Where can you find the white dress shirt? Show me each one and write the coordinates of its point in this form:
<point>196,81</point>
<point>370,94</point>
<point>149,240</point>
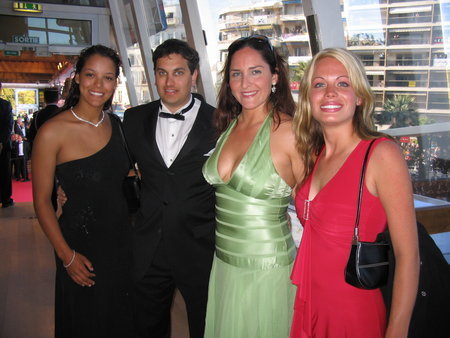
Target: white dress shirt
<point>20,148</point>
<point>171,134</point>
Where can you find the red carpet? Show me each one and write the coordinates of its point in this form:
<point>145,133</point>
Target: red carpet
<point>22,191</point>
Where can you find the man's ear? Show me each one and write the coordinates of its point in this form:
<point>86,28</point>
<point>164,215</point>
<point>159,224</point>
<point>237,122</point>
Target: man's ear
<point>194,77</point>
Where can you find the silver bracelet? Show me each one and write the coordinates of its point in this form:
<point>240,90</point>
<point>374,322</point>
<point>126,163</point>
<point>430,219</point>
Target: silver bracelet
<point>71,261</point>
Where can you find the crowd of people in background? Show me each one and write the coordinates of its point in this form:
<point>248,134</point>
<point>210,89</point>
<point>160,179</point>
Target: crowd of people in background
<point>17,136</point>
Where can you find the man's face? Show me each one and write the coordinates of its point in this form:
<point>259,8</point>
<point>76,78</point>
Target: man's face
<point>174,81</point>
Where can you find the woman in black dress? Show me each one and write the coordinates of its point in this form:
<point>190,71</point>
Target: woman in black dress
<point>82,147</point>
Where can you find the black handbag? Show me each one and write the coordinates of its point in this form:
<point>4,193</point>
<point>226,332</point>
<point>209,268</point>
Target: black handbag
<point>131,184</point>
<point>368,264</point>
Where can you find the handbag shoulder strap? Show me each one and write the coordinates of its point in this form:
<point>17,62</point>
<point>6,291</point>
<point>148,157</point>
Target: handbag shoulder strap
<point>360,191</point>
<point>125,144</point>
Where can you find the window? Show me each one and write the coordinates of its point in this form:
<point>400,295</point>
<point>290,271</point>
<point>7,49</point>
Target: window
<point>38,31</point>
<point>409,77</point>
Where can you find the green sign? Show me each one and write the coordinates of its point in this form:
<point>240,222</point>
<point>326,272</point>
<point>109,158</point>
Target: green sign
<point>11,52</point>
<point>27,7</point>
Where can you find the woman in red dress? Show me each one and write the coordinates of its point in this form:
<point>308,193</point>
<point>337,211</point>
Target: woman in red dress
<point>333,126</point>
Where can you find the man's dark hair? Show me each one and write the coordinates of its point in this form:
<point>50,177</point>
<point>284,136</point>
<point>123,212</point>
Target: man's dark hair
<point>175,46</point>
<point>51,95</point>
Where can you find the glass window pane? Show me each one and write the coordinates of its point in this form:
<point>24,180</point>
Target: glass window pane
<point>36,22</point>
<point>408,74</point>
<point>41,35</point>
<point>24,30</point>
<point>94,3</point>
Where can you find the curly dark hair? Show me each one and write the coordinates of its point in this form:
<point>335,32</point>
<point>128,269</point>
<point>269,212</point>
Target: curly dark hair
<point>74,92</point>
<point>175,46</point>
<point>281,101</point>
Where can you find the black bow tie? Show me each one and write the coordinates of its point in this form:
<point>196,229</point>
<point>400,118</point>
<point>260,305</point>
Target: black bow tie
<point>177,116</point>
<point>171,116</point>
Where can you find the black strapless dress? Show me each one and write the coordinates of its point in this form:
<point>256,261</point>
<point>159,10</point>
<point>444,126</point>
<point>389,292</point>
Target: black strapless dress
<point>95,223</point>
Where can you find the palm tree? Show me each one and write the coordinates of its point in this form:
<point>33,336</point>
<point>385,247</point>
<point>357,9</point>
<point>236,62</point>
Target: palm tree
<point>400,112</point>
<point>298,71</point>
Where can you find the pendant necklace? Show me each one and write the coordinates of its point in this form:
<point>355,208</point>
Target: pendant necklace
<point>89,122</point>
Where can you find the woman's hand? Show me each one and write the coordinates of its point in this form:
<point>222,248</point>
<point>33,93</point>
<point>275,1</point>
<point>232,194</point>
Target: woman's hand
<point>81,270</point>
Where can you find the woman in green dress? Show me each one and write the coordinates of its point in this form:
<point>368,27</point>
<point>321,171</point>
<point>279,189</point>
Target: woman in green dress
<point>254,168</point>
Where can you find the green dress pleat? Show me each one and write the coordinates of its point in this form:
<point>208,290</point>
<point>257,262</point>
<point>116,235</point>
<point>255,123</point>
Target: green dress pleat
<point>250,292</point>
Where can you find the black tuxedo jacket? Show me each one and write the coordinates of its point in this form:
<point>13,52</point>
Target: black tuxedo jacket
<point>18,131</point>
<point>177,204</point>
<point>6,123</point>
<point>26,145</point>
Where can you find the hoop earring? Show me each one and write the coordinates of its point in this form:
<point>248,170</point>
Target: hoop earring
<point>274,89</point>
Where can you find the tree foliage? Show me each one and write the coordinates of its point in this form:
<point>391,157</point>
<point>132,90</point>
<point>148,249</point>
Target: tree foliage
<point>298,71</point>
<point>27,97</point>
<point>399,112</point>
<point>8,94</point>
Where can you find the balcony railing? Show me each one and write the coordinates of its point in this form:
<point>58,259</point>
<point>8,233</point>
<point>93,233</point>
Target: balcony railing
<point>408,62</point>
<point>406,83</point>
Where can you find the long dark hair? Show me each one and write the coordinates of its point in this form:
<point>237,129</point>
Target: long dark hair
<point>281,101</point>
<point>74,92</point>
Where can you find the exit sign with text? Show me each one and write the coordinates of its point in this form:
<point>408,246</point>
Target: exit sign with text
<point>27,7</point>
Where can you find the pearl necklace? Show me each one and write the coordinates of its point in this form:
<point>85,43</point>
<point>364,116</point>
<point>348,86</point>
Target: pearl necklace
<point>89,122</point>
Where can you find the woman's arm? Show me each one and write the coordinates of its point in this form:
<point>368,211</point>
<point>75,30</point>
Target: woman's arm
<point>391,182</point>
<point>45,150</point>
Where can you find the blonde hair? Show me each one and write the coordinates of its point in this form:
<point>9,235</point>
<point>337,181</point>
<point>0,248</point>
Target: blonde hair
<point>308,132</point>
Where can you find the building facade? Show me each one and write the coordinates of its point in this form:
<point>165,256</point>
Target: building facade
<point>404,47</point>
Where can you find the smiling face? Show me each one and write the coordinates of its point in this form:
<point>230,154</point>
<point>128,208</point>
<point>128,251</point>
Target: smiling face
<point>333,99</point>
<point>97,80</point>
<point>251,79</point>
<point>174,81</point>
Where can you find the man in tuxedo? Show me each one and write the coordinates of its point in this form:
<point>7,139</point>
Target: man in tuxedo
<point>22,150</point>
<point>51,97</point>
<point>6,127</point>
<point>173,239</point>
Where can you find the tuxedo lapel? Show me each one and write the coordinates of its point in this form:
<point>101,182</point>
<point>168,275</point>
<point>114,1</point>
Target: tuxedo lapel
<point>150,134</point>
<point>201,124</point>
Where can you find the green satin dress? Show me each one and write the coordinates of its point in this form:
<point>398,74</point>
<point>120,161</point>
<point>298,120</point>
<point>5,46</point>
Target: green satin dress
<point>250,292</point>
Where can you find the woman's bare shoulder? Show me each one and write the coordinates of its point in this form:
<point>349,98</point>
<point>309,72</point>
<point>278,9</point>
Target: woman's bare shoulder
<point>387,150</point>
<point>56,126</point>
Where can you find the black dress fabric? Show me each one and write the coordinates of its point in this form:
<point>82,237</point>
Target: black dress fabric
<point>95,223</point>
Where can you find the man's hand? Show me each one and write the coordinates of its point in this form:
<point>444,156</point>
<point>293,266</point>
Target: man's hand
<point>61,196</point>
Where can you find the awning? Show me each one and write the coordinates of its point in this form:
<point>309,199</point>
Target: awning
<point>410,30</point>
<point>403,10</point>
<point>416,72</point>
<point>261,27</point>
<point>374,72</point>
